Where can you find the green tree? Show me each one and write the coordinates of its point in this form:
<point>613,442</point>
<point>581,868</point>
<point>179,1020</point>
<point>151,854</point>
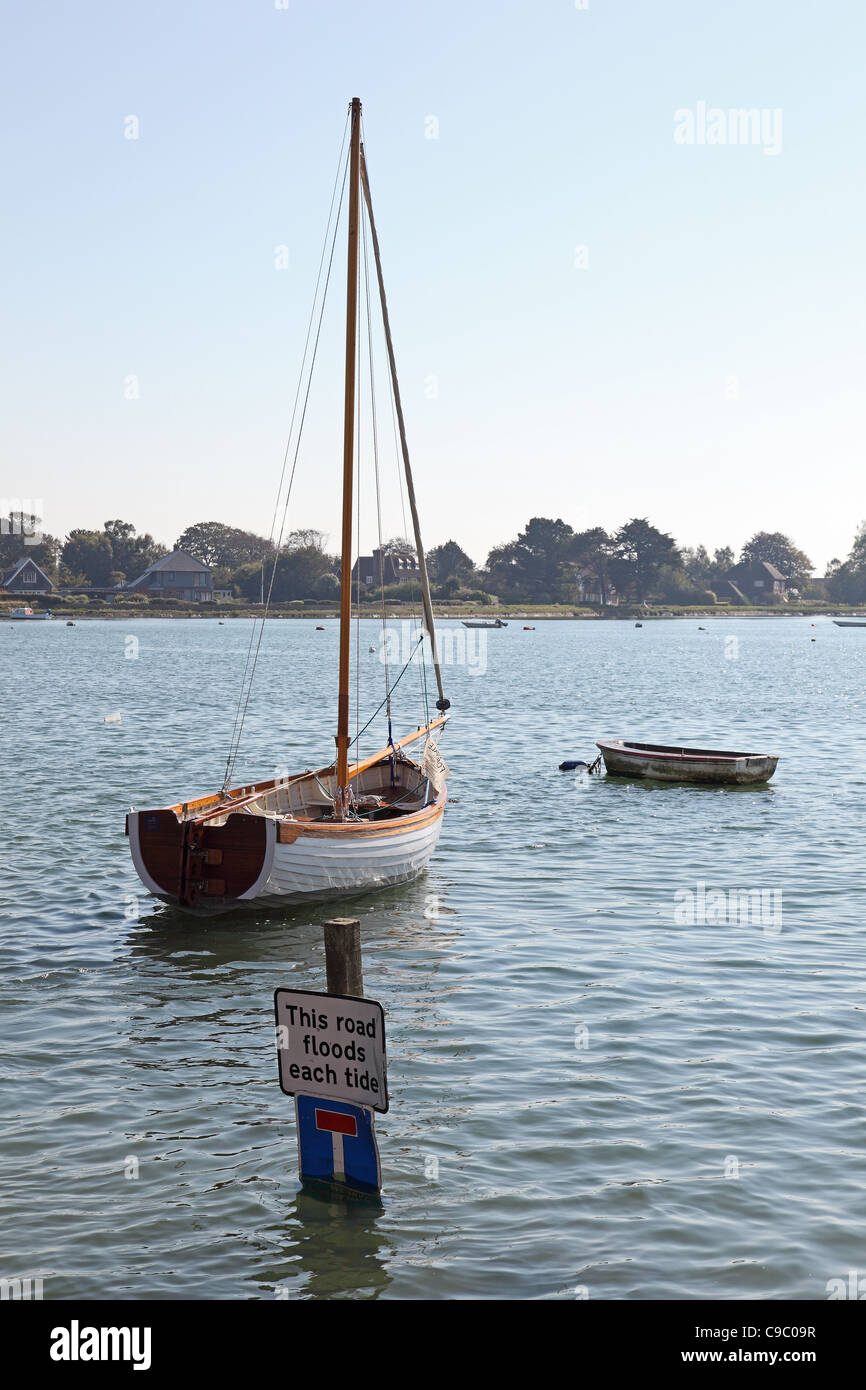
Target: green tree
<point>299,570</point>
<point>327,586</point>
<point>534,565</point>
<point>846,583</point>
<point>88,555</point>
<point>779,550</point>
<point>501,574</point>
<point>21,535</point>
<point>448,562</point>
<point>132,554</point>
<point>592,551</point>
<point>639,552</point>
<point>674,585</point>
<point>697,565</point>
<point>398,545</point>
<point>221,546</point>
<point>306,538</point>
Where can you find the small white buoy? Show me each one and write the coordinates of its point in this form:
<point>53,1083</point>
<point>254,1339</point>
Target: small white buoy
<point>114,718</point>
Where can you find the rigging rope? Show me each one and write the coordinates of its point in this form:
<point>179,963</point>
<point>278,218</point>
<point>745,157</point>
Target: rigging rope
<point>413,596</point>
<point>393,687</point>
<point>375,439</point>
<point>302,397</point>
<point>252,659</point>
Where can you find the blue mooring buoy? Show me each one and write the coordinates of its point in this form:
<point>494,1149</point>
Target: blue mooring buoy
<point>572,766</point>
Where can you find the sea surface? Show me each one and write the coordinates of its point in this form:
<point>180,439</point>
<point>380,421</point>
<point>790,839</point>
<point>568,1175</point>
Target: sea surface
<point>606,1082</point>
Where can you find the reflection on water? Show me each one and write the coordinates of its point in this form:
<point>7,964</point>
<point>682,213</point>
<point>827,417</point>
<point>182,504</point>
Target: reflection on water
<point>326,1249</point>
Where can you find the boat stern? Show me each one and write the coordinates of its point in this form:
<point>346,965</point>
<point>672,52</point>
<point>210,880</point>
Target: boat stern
<point>200,865</point>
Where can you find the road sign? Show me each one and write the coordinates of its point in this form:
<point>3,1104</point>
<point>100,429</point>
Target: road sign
<point>333,1046</point>
<point>337,1145</point>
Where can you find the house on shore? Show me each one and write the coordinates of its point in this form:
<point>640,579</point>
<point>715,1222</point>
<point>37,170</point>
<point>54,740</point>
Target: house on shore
<point>177,575</point>
<point>753,581</point>
<point>367,569</point>
<point>593,590</point>
<point>26,577</point>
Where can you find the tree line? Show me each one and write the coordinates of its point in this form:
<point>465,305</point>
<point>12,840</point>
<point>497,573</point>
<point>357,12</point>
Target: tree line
<point>547,562</point>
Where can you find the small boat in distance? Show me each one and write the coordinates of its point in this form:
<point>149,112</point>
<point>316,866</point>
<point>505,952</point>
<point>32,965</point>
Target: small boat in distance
<point>663,762</point>
<point>850,622</point>
<point>21,615</point>
<point>483,622</point>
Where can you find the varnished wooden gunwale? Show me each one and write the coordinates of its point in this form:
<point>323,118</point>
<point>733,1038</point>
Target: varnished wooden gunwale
<point>289,831</point>
<point>206,807</point>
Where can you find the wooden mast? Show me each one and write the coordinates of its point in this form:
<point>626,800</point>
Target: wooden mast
<point>342,738</point>
<point>441,703</point>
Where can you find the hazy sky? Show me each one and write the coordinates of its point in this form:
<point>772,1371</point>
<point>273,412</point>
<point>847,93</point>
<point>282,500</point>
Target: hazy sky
<point>699,361</point>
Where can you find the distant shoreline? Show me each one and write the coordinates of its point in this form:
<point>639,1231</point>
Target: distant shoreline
<point>507,615</point>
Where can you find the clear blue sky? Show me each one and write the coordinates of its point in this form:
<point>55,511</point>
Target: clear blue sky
<point>705,369</point>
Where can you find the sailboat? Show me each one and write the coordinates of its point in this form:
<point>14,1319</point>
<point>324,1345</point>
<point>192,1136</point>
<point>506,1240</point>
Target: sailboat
<point>346,828</point>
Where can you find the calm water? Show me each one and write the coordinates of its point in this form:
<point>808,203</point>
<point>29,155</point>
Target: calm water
<point>591,1095</point>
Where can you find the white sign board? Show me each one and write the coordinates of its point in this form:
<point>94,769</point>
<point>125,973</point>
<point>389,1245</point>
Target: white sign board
<point>331,1045</point>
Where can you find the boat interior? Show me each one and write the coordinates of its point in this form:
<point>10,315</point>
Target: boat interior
<point>389,790</point>
<point>684,752</point>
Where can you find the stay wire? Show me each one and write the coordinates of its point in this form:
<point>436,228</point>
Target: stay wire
<point>247,680</point>
<point>375,440</point>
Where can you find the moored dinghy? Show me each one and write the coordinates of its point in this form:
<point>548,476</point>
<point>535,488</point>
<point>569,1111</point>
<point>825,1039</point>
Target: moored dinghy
<point>664,762</point>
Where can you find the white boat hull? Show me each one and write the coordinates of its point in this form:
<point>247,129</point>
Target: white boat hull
<point>267,856</point>
<point>313,870</point>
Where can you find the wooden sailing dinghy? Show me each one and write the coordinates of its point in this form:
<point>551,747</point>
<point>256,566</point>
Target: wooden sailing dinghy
<point>665,763</point>
<point>344,828</point>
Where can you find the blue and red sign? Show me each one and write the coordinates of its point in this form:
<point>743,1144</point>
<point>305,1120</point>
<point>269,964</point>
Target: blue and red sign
<point>337,1145</point>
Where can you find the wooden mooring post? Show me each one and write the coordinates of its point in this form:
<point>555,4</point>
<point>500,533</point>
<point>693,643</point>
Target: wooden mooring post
<point>343,956</point>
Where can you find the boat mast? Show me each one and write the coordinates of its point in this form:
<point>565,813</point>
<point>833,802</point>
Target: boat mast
<point>441,704</point>
<point>342,738</point>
